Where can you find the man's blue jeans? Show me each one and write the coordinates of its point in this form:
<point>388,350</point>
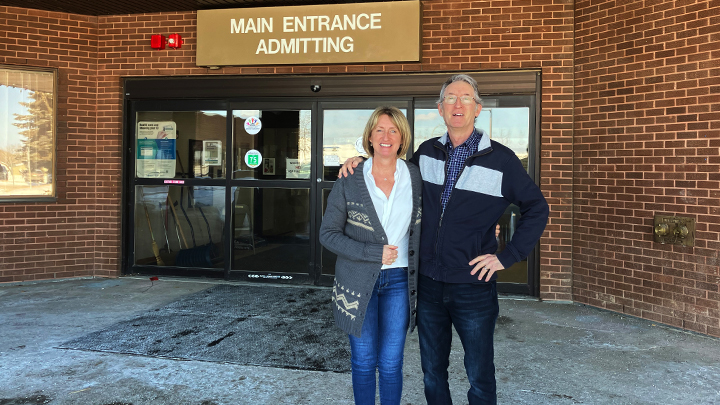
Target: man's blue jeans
<point>473,309</point>
<point>382,340</point>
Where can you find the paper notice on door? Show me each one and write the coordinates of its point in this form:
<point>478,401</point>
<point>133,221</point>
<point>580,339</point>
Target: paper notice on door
<point>292,168</point>
<point>156,149</point>
<point>331,160</point>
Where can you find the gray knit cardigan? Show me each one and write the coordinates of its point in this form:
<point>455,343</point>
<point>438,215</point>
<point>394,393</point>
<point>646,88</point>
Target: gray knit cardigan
<point>351,229</point>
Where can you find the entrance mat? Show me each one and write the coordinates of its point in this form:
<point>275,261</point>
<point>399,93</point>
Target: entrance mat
<point>284,327</point>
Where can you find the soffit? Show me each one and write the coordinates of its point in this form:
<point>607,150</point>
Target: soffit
<point>120,7</point>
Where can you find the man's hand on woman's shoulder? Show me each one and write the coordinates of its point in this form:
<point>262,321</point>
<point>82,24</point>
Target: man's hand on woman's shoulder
<point>349,165</point>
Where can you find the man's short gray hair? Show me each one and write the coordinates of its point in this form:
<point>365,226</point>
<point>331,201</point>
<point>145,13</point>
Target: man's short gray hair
<point>460,78</point>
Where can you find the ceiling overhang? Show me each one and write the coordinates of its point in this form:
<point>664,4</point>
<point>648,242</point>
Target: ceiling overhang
<point>115,7</point>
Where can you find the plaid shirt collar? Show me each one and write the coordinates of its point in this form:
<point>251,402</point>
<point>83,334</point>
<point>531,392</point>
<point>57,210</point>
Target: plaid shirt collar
<point>457,157</point>
<point>471,143</point>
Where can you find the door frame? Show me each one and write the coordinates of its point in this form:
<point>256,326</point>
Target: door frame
<point>232,89</point>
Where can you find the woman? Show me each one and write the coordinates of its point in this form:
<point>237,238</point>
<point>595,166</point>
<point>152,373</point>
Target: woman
<point>372,223</point>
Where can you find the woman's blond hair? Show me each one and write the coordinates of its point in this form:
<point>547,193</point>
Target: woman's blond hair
<point>398,119</point>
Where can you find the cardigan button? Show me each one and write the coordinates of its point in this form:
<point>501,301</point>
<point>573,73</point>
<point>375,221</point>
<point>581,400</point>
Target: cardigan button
<point>414,312</point>
<point>411,232</point>
<point>412,272</point>
<point>411,253</point>
<point>412,292</point>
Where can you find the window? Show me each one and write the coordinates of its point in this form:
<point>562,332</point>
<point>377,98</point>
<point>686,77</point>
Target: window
<point>27,133</point>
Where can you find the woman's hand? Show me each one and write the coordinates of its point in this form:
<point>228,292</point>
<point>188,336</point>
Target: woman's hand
<point>389,255</point>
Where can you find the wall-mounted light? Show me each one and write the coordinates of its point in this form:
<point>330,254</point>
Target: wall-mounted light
<point>175,41</point>
<point>158,41</point>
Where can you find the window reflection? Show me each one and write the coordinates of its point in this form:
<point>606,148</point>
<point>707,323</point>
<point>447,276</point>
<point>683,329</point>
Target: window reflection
<point>180,144</point>
<point>179,226</point>
<point>27,133</point>
<point>509,126</point>
<point>428,124</point>
<point>342,138</point>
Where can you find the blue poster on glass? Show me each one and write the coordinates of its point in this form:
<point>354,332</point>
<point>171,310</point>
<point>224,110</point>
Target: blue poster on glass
<point>156,149</point>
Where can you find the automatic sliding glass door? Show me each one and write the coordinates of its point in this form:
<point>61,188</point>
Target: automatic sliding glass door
<point>238,189</point>
<point>271,191</point>
<point>177,200</point>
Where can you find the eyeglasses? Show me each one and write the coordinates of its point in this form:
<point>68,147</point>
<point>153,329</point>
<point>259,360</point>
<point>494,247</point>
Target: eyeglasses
<point>463,99</point>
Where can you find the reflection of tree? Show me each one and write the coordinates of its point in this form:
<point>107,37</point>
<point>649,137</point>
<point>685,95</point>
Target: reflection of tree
<point>37,128</point>
<point>304,144</point>
<point>422,134</point>
<point>9,158</point>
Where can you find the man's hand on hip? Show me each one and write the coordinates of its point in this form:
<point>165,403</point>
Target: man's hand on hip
<point>487,264</point>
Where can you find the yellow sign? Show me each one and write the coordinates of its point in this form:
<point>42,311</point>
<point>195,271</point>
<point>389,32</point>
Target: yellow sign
<point>328,33</point>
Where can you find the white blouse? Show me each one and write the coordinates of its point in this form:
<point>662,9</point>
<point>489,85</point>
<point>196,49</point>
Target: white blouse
<point>394,211</point>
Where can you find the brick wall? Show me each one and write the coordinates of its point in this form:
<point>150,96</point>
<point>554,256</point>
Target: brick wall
<point>647,141</point>
<point>457,36</point>
<point>58,239</point>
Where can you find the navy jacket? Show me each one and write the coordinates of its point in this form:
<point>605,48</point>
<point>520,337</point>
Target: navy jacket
<point>491,180</point>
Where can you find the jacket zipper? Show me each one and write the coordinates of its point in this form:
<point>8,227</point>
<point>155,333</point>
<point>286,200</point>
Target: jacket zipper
<point>442,214</point>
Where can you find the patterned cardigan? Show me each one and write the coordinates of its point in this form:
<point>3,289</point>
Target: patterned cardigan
<point>351,229</point>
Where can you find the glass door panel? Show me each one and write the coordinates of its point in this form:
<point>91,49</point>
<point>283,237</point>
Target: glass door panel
<point>328,258</point>
<point>271,189</point>
<point>343,125</point>
<point>179,226</point>
<point>180,144</point>
<point>271,229</point>
<point>342,138</point>
<point>272,145</point>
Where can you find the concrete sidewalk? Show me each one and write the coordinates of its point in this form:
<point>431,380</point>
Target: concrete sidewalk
<point>546,353</point>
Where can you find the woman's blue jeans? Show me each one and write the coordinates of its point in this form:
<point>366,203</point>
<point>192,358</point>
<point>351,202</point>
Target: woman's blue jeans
<point>473,310</point>
<point>382,340</point>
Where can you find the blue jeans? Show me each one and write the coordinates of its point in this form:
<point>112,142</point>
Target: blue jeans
<point>473,309</point>
<point>382,340</point>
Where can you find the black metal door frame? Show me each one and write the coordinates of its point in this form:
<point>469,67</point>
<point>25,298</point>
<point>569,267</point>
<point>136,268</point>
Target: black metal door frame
<point>223,92</point>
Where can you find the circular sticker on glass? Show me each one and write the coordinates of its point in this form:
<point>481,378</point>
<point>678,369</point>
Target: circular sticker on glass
<point>253,158</point>
<point>359,146</point>
<point>253,125</point>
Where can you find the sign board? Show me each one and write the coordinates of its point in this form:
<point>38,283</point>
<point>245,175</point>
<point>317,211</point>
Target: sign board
<point>326,33</point>
<point>156,149</point>
<point>212,153</point>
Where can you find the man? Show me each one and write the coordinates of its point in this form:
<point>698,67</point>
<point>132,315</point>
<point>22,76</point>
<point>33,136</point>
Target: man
<point>468,182</point>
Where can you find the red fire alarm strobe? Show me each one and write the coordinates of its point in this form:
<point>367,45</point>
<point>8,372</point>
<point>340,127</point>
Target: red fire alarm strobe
<point>157,41</point>
<point>175,41</point>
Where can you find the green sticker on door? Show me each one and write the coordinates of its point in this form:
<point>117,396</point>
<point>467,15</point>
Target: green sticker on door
<point>253,158</point>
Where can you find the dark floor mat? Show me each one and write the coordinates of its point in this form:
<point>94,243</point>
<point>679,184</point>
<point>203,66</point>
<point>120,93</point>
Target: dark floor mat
<point>251,325</point>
